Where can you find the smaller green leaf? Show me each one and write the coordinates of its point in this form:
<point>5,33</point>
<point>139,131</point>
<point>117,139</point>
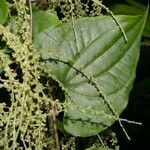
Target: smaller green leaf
<point>43,20</point>
<point>3,11</point>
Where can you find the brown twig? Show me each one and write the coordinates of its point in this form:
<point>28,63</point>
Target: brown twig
<point>52,119</point>
<point>53,107</point>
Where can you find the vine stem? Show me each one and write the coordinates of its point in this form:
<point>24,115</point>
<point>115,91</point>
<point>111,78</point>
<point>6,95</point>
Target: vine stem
<point>30,8</point>
<point>101,141</point>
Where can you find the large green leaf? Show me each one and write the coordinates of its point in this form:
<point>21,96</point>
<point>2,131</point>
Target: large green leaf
<point>134,8</point>
<point>3,11</point>
<point>96,47</point>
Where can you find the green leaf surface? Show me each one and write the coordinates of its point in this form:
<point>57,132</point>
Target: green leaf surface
<point>43,20</point>
<point>96,47</point>
<point>134,8</point>
<point>3,11</point>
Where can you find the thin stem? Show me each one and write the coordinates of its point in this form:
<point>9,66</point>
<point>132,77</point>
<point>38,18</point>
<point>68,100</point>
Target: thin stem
<point>101,141</point>
<point>30,7</point>
<point>130,121</point>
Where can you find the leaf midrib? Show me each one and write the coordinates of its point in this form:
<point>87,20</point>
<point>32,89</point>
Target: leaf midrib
<point>106,69</point>
<point>84,81</point>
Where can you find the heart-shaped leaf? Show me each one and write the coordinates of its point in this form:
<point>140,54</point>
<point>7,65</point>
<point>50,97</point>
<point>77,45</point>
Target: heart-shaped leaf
<point>96,67</point>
